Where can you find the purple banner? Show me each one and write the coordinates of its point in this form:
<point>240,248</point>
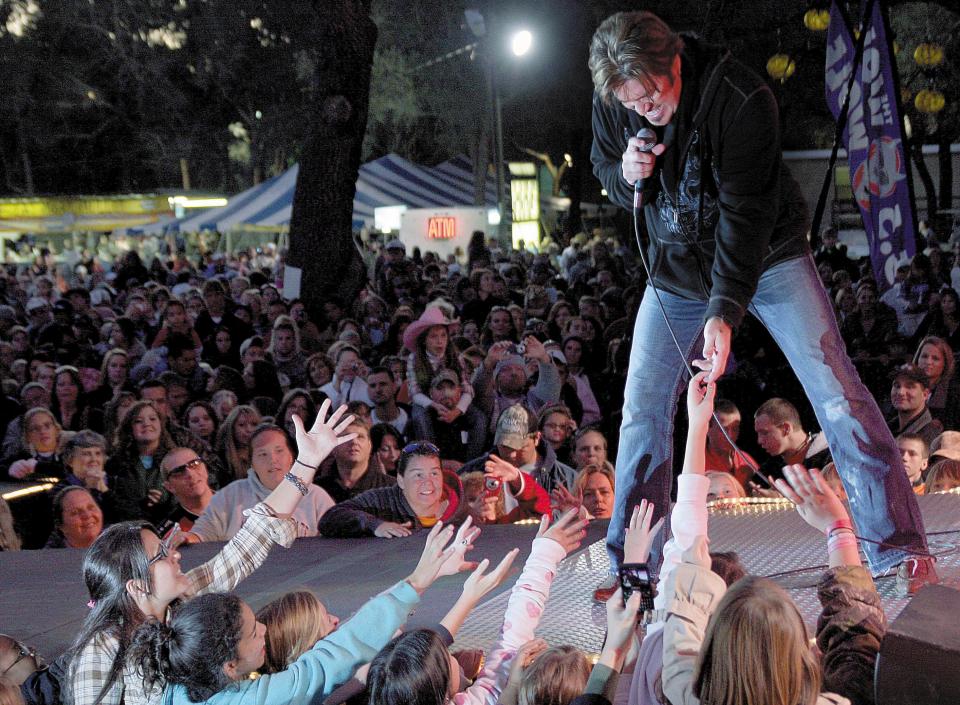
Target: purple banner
<point>873,138</point>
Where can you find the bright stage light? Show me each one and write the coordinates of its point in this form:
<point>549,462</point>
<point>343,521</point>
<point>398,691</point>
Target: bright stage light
<point>521,42</point>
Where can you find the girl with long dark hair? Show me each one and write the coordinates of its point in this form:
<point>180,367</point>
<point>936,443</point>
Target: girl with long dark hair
<point>201,419</point>
<point>132,576</point>
<point>295,402</point>
<point>208,647</point>
<point>134,467</point>
<point>69,402</point>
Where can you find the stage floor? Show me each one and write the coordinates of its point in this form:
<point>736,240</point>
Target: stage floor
<point>42,599</point>
<point>770,538</point>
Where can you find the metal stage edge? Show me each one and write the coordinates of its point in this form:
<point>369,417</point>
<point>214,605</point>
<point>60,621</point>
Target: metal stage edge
<point>42,599</point>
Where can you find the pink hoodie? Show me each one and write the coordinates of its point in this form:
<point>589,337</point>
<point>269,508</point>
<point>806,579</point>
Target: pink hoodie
<point>527,600</point>
<point>688,520</point>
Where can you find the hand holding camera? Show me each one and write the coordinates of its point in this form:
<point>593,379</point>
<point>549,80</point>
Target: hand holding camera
<point>498,469</point>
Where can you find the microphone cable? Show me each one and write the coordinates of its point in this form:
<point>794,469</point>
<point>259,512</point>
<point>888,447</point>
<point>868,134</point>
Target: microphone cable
<point>637,198</point>
<point>754,467</point>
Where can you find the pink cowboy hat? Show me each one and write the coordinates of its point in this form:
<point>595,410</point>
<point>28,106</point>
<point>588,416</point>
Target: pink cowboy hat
<point>433,316</point>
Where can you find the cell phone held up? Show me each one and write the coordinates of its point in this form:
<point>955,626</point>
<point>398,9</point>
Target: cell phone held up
<point>634,577</point>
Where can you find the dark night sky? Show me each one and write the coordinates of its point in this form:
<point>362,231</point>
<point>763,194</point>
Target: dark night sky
<point>547,95</point>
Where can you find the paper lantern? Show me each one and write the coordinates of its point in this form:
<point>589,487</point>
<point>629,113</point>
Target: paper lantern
<point>929,101</point>
<point>816,20</point>
<point>928,54</point>
<point>781,67</point>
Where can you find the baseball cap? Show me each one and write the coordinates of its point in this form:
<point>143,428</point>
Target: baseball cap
<point>250,342</point>
<point>912,373</point>
<point>396,245</point>
<point>36,303</point>
<point>514,427</point>
<point>506,362</point>
<point>444,375</point>
<point>946,445</point>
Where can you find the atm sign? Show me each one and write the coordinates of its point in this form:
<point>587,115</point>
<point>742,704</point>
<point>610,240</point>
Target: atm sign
<point>441,228</point>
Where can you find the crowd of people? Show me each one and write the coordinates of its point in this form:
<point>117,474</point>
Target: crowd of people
<point>166,405</point>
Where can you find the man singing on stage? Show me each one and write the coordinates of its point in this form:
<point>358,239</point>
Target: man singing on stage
<point>727,233</point>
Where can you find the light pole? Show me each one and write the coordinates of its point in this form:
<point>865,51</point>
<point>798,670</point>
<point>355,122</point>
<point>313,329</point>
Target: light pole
<point>521,42</point>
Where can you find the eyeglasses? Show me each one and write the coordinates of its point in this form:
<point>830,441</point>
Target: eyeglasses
<point>22,653</point>
<point>189,465</point>
<point>164,549</point>
<point>652,98</point>
<point>420,448</point>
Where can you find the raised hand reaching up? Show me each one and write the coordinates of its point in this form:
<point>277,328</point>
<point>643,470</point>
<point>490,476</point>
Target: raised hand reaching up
<point>568,531</point>
<point>639,534</point>
<point>325,435</point>
<point>816,503</point>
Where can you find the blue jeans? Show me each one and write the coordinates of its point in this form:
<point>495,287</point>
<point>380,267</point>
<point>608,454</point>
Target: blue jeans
<point>792,304</point>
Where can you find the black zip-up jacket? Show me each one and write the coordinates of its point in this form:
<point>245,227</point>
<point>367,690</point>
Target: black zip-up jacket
<point>361,515</point>
<point>720,206</point>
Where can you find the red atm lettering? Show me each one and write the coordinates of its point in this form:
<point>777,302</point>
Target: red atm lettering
<point>442,228</point>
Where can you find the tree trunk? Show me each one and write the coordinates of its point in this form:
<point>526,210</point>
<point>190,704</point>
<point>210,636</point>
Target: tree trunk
<point>185,173</point>
<point>928,187</point>
<point>28,187</point>
<point>946,173</point>
<point>581,156</point>
<point>25,161</point>
<point>321,220</point>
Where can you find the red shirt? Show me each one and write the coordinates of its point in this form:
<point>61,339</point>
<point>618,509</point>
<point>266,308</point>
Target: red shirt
<point>737,463</point>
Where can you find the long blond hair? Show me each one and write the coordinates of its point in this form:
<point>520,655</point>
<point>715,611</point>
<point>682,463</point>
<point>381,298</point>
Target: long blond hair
<point>756,650</point>
<point>10,693</point>
<point>237,458</point>
<point>294,624</point>
<point>593,469</point>
<point>556,677</point>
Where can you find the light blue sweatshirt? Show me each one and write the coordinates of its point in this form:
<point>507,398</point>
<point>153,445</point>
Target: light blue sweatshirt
<point>328,664</point>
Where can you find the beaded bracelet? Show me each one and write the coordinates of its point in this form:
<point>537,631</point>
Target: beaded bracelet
<point>840,530</point>
<point>296,482</point>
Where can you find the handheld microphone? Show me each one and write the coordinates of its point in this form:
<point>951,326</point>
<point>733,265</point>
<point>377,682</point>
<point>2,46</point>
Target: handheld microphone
<point>650,138</point>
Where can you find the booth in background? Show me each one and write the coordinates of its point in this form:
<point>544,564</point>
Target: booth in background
<point>445,231</point>
<point>525,206</point>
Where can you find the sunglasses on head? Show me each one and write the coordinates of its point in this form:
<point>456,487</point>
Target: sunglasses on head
<point>420,447</point>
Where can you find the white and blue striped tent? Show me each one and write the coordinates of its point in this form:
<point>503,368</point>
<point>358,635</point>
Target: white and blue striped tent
<point>388,181</point>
